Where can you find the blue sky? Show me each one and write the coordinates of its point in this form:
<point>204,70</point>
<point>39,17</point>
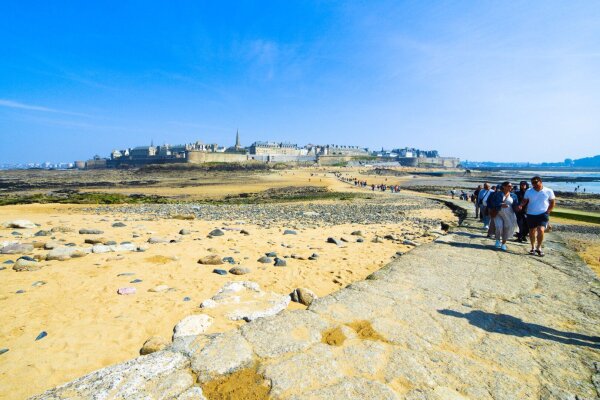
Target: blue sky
<point>484,80</point>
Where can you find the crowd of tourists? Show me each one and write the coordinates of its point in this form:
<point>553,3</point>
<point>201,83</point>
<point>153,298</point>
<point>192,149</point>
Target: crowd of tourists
<point>508,210</point>
<point>382,187</point>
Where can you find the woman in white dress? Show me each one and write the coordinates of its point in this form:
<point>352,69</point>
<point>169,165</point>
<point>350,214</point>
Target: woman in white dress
<point>506,220</point>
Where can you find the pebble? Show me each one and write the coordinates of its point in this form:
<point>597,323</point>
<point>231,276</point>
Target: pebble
<point>303,296</point>
<point>216,232</point>
<point>20,291</point>
<point>43,233</point>
<point>212,259</point>
<point>220,271</point>
<point>184,232</point>
<point>289,232</point>
<point>271,254</point>
<point>17,248</point>
<point>136,281</point>
<point>239,271</point>
<point>126,290</point>
<point>357,233</point>
<point>20,224</point>
<point>8,262</point>
<point>118,225</point>
<point>187,298</point>
<point>334,241</point>
<point>265,260</point>
<point>38,283</point>
<point>85,231</point>
<point>360,240</point>
<point>156,240</point>
<point>126,274</point>
<point>2,351</point>
<point>42,335</point>
<point>279,262</point>
<point>244,232</point>
<point>229,260</point>
<point>153,344</point>
<point>159,288</point>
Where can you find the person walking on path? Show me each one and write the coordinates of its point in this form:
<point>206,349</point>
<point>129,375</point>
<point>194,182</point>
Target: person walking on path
<point>504,203</point>
<point>493,205</point>
<point>476,201</point>
<point>539,202</point>
<point>482,202</point>
<point>521,214</point>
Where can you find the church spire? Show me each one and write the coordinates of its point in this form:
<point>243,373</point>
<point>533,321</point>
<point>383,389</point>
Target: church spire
<point>237,139</point>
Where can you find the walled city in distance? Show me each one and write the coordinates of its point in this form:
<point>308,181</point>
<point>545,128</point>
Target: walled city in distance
<point>265,152</point>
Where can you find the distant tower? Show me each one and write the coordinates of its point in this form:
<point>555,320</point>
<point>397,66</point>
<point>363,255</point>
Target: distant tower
<point>237,139</point>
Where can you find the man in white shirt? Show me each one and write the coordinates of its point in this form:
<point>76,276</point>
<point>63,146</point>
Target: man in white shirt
<point>540,202</point>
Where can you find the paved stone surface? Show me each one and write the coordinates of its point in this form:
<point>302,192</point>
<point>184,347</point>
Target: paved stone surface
<point>454,319</point>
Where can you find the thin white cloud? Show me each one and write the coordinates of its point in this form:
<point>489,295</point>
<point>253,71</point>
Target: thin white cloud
<point>23,106</point>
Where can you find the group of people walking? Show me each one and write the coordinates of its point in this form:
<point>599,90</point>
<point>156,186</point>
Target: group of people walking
<point>503,209</point>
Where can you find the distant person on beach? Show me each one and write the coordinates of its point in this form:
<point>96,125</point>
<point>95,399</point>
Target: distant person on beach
<point>493,205</point>
<point>482,201</point>
<point>539,202</point>
<point>504,203</point>
<point>452,193</point>
<point>522,213</point>
<point>475,199</point>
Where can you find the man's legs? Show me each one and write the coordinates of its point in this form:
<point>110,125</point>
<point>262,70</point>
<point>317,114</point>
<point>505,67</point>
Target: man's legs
<point>532,232</point>
<point>540,236</point>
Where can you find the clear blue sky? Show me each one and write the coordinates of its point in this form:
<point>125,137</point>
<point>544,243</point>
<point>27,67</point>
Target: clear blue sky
<point>481,80</point>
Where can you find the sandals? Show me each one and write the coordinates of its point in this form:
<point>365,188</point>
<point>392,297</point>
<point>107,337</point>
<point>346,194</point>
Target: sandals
<point>540,253</point>
<point>532,252</point>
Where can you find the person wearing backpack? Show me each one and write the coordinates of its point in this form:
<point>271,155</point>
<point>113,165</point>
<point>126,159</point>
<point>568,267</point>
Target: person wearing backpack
<point>482,202</point>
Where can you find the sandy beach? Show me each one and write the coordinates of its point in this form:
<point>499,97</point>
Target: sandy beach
<point>90,326</point>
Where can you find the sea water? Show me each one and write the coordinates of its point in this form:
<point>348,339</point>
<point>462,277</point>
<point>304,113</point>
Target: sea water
<point>568,185</point>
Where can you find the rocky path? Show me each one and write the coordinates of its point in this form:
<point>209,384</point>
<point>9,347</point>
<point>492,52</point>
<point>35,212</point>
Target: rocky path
<point>454,319</point>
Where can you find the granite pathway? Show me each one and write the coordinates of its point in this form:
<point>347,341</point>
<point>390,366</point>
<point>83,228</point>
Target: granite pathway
<point>454,319</point>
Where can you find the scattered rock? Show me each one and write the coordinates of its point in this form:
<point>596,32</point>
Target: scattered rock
<point>153,344</point>
<point>126,290</point>
<point>303,296</point>
<point>334,241</point>
<point>136,281</point>
<point>229,260</point>
<point>212,259</point>
<point>51,245</point>
<point>186,298</point>
<point>357,233</point>
<point>289,232</point>
<point>265,260</point>
<point>159,288</point>
<point>43,233</point>
<point>20,224</point>
<point>8,262</point>
<point>17,248</point>
<point>38,283</point>
<point>20,291</point>
<point>409,243</point>
<point>279,262</point>
<point>86,231</point>
<point>345,240</point>
<point>27,265</point>
<point>65,253</point>
<point>360,240</point>
<point>61,229</point>
<point>100,240</point>
<point>118,225</point>
<point>184,232</point>
<point>271,254</point>
<point>126,274</point>
<point>244,232</point>
<point>192,325</point>
<point>156,240</point>
<point>239,271</point>
<point>391,237</point>
<point>42,335</point>
<point>377,239</point>
<point>219,271</point>
<point>216,232</point>
<point>2,351</point>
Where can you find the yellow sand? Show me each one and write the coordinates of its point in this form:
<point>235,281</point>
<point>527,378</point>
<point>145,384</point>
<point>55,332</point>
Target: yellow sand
<point>89,326</point>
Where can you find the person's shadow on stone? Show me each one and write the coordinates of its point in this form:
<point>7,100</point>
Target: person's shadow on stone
<point>509,325</point>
